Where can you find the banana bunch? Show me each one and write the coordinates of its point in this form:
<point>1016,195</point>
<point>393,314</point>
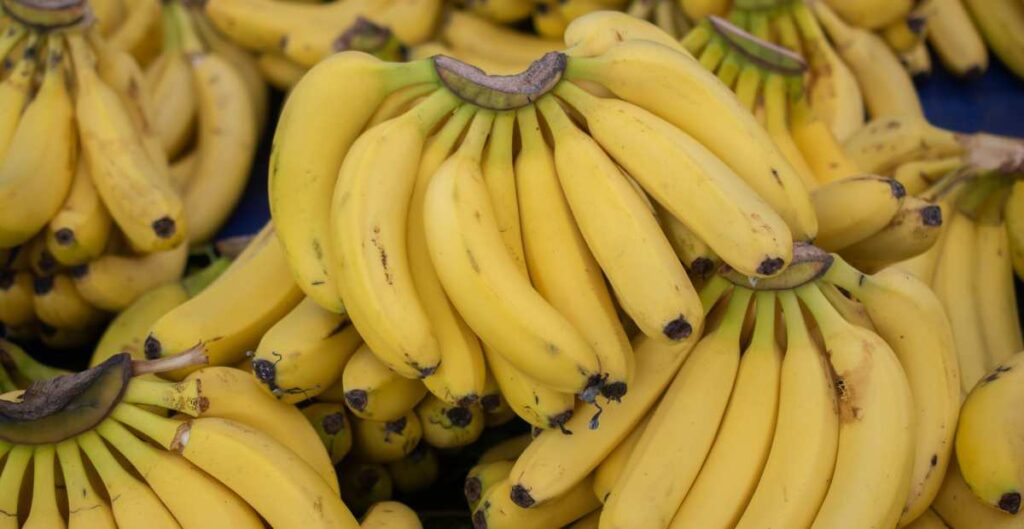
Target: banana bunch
<point>757,414</point>
<point>483,251</point>
<point>96,449</point>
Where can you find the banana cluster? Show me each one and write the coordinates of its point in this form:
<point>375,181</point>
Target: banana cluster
<point>755,425</point>
<point>233,456</point>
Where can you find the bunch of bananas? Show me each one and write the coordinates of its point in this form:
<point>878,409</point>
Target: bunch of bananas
<point>232,457</point>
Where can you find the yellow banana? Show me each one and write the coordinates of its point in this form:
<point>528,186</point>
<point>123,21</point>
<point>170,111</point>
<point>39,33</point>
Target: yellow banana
<point>304,352</point>
<point>174,118</point>
<point>871,14</point>
<point>373,391</point>
<point>467,32</point>
<point>819,147</point>
<point>113,282</point>
<point>11,480</point>
<point>16,298</point>
<point>994,286</point>
<point>86,508</point>
<point>39,164</point>
<point>914,229</point>
<point>884,144</point>
<point>1001,22</point>
<point>919,175</point>
<point>218,319</point>
<point>595,33</point>
<point>536,403</point>
<point>508,449</point>
<point>390,515</point>
<point>955,38</point>
<point>608,472</point>
<point>630,69</point>
<point>496,510</point>
<point>681,430</point>
<point>279,71</point>
<point>399,102</point>
<point>502,11</point>
<point>548,20</point>
<point>80,229</point>
<point>58,303</point>
<point>854,208</point>
<point>777,123</point>
<point>482,478</point>
<point>385,441</point>
<point>417,471</point>
<point>333,426</point>
<point>1014,213</point>
<point>876,424</point>
<point>44,513</point>
<point>16,88</point>
<point>961,509</point>
<point>140,31</point>
<point>447,426</point>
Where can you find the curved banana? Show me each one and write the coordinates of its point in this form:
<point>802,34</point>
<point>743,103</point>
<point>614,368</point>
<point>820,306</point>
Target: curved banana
<point>872,14</point>
<point>140,31</point>
<point>854,208</point>
<point>305,158</point>
<point>113,282</point>
<point>58,303</point>
<point>612,466</point>
<point>777,123</point>
<point>219,319</point>
<point>818,145</point>
<point>417,471</point>
<point>174,117</point>
<point>914,229</point>
<point>595,33</point>
<point>16,88</point>
<point>681,431</point>
<point>876,424</point>
<point>304,352</point>
<point>43,512</point>
<point>373,391</point>
<point>39,164</point>
<point>447,426</point>
<point>390,515</point>
<point>955,38</point>
<point>884,144</point>
<point>496,510</point>
<point>712,116</point>
<point>482,478</point>
<point>80,229</point>
<point>1002,23</point>
<point>994,291</point>
<point>534,402</point>
<point>467,32</point>
<point>385,441</point>
<point>919,175</point>
<point>548,20</point>
<point>960,508</point>
<point>502,11</point>
<point>11,479</point>
<point>86,508</point>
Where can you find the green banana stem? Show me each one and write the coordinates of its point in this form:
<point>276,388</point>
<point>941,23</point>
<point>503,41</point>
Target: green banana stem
<point>196,282</point>
<point>809,264</point>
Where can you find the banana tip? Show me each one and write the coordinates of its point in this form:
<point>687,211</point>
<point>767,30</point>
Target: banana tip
<point>521,497</point>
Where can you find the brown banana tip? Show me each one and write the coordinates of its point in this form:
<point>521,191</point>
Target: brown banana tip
<point>469,400</point>
<point>559,420</point>
<point>679,328</point>
<point>152,348</point>
<point>459,416</point>
<point>80,271</point>
<point>489,403</point>
<point>702,266</point>
<point>898,190</point>
<point>64,236</point>
<point>932,216</point>
<point>46,261</point>
<point>265,371</point>
<point>426,371</point>
<point>770,266</point>
<point>333,423</point>
<point>357,399</point>
<point>521,497</point>
<point>479,520</point>
<point>614,391</point>
<point>472,488</point>
<point>396,426</point>
<point>42,285</point>
<point>164,227</point>
<point>1010,502</point>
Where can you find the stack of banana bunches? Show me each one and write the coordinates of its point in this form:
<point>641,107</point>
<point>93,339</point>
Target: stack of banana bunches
<point>648,264</point>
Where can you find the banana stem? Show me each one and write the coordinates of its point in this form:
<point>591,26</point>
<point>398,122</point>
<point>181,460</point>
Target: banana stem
<point>164,431</point>
<point>500,92</point>
<point>188,358</point>
<point>190,42</point>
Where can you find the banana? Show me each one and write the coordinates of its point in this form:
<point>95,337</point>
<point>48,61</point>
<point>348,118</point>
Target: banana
<point>871,14</point>
<point>698,9</point>
<point>819,147</point>
<point>854,208</point>
<point>417,471</point>
<point>332,425</point>
<point>884,144</point>
<point>226,142</point>
<point>632,68</point>
<point>987,445</point>
<point>955,38</point>
<point>501,11</point>
<point>58,303</point>
<point>385,441</point>
<point>232,394</point>
<point>133,186</point>
<point>681,430</point>
<point>305,352</point>
<point>133,503</point>
<point>467,32</point>
<point>919,175</point>
<point>80,229</point>
<point>390,515</point>
<point>961,509</point>
<point>109,14</point>
<point>175,117</point>
<point>777,123</point>
<point>20,363</point>
<point>140,31</point>
<point>11,480</point>
<point>509,449</point>
<point>364,484</point>
<point>218,319</point>
<point>16,88</point>
<point>447,426</point>
<point>39,164</point>
<point>912,231</point>
<point>114,282</point>
<point>496,510</point>
<point>38,257</point>
<point>803,451</point>
<point>912,320</point>
<point>482,478</point>
<point>548,20</point>
<point>996,300</point>
<point>1001,21</point>
<point>86,508</point>
<point>369,234</point>
<point>876,424</point>
<point>733,466</point>
<point>399,102</point>
<point>597,32</point>
<point>554,463</point>
<point>459,378</point>
<point>607,473</point>
<point>887,88</point>
<point>485,284</point>
<point>833,91</point>
<point>16,298</point>
<point>695,254</point>
<point>272,479</point>
<point>956,262</point>
<point>44,513</point>
<point>560,264</point>
<point>305,158</point>
<point>1014,214</point>
<point>536,403</point>
<point>373,391</point>
<point>195,499</point>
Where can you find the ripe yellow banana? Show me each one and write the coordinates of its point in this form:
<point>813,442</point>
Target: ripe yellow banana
<point>912,320</point>
<point>1002,24</point>
<point>447,426</point>
<point>994,290</point>
<point>333,426</point>
<point>884,144</point>
<point>876,442</point>
<point>1014,213</point>
<point>508,449</point>
<point>373,391</point>
<point>482,478</point>
<point>43,512</point>
<point>695,254</point>
<point>594,33</point>
<point>467,32</point>
<point>548,20</point>
<point>914,229</point>
<point>272,479</point>
<point>113,282</point>
<point>194,498</point>
<point>676,441</point>
<point>16,293</point>
<point>854,208</point>
<point>496,510</point>
<point>305,352</point>
<point>536,403</point>
<point>777,123</point>
<point>961,509</point>
<point>919,175</point>
<point>631,70</point>
<point>11,479</point>
<point>607,473</point>
<point>39,164</point>
<point>502,11</point>
<point>390,515</point>
<point>818,145</point>
<point>86,508</point>
<point>554,462</point>
<point>399,102</point>
<point>16,88</point>
<point>954,37</point>
<point>219,319</point>
<point>137,505</point>
<point>871,14</point>
<point>385,441</point>
<point>140,31</point>
<point>174,118</point>
<point>80,229</point>
<point>58,303</point>
<point>988,444</point>
<point>304,164</point>
<point>470,257</point>
<point>459,378</point>
<point>561,265</point>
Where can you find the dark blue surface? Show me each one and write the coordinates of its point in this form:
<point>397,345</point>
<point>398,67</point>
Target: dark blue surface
<point>993,103</point>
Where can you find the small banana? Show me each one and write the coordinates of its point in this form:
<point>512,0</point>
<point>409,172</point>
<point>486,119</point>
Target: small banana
<point>373,391</point>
